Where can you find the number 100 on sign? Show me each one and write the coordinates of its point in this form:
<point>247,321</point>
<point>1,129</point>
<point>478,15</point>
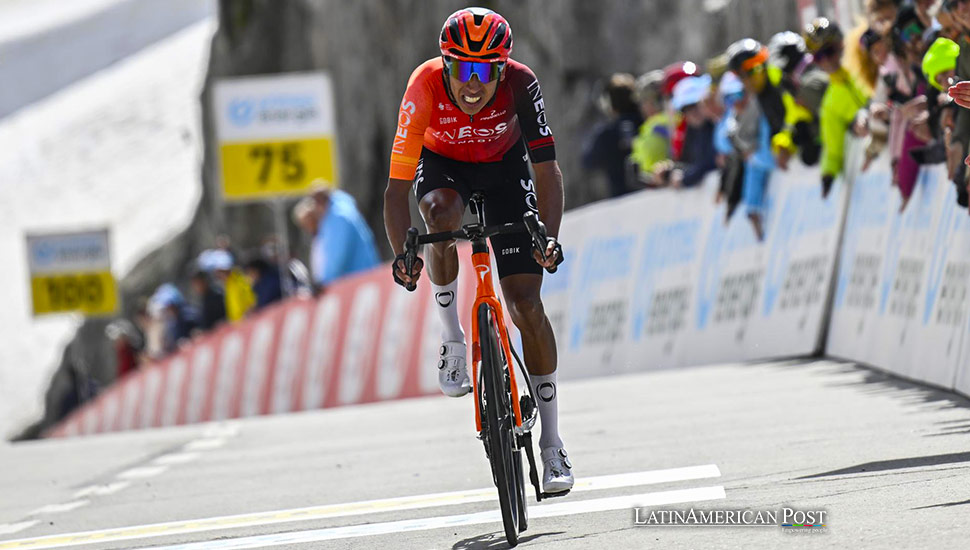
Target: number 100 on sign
<point>253,171</point>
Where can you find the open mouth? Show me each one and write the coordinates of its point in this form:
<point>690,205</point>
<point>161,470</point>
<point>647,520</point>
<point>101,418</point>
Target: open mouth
<point>470,100</point>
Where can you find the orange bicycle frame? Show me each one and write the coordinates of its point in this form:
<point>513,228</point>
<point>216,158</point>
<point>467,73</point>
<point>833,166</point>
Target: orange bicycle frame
<point>485,294</point>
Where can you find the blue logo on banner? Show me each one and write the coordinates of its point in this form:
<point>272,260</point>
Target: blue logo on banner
<point>666,246</point>
<point>604,259</point>
<point>805,212</point>
<point>869,207</point>
<point>917,217</point>
<point>242,112</point>
<point>949,223</point>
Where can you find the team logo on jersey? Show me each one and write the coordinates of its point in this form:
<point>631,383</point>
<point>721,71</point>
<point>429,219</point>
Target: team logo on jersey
<point>494,114</point>
<point>470,132</point>
<point>403,121</point>
<point>540,106</point>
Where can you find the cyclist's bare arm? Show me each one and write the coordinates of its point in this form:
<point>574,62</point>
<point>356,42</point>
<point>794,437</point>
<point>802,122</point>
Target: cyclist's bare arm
<point>549,198</point>
<point>397,220</point>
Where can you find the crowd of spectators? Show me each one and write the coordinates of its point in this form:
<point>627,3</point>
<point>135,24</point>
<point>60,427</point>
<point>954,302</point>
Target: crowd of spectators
<point>225,286</point>
<point>749,111</point>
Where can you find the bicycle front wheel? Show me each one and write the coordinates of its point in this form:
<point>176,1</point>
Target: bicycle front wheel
<point>498,423</point>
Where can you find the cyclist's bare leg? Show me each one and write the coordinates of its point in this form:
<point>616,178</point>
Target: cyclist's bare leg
<point>524,303</point>
<point>442,210</point>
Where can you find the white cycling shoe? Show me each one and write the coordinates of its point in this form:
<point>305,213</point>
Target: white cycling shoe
<point>452,374</point>
<point>557,476</point>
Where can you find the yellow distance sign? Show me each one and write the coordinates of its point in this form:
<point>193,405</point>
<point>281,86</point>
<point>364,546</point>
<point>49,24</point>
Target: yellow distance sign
<point>258,170</point>
<point>90,293</point>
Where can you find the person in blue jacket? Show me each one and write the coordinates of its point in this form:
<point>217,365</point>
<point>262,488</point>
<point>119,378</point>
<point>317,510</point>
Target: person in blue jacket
<point>342,241</point>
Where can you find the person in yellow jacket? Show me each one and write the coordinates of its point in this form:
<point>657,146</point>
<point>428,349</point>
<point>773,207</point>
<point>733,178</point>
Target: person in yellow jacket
<point>240,297</point>
<point>652,143</point>
<point>844,100</point>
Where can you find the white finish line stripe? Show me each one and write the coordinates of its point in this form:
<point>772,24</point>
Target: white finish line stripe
<point>540,511</point>
<point>346,509</point>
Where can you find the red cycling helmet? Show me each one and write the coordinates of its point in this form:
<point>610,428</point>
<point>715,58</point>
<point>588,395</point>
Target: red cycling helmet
<point>476,34</point>
<point>675,73</point>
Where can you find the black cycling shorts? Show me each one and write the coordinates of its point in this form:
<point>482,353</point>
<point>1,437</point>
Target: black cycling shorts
<point>509,193</point>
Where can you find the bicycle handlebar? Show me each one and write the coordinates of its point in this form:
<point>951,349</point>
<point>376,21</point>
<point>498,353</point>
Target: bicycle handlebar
<point>530,224</point>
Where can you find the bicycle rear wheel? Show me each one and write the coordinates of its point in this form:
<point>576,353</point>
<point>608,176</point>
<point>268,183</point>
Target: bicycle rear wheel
<point>498,424</point>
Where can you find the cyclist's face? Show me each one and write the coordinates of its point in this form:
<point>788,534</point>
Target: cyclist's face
<point>472,96</point>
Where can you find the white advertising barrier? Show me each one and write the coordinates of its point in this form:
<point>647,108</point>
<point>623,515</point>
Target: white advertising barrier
<point>901,300</point>
<point>660,279</point>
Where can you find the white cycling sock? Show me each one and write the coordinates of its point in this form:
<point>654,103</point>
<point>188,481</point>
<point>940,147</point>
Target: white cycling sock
<point>547,395</point>
<point>446,302</point>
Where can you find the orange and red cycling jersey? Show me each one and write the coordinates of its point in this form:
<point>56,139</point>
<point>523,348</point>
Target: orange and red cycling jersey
<point>428,118</point>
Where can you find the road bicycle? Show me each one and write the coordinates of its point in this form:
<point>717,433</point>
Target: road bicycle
<point>504,418</point>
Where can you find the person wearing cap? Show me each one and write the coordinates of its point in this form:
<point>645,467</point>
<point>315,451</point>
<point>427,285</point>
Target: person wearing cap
<point>240,297</point>
<point>698,157</point>
<point>128,342</point>
<point>843,99</point>
<point>673,74</point>
<point>652,143</point>
<point>730,161</point>
<point>939,68</point>
<point>178,318</point>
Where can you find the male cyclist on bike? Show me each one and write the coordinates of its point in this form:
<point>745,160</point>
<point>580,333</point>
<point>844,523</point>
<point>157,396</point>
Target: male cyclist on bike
<point>471,120</point>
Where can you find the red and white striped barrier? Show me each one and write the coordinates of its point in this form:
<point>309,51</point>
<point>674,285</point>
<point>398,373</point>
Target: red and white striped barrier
<point>367,339</point>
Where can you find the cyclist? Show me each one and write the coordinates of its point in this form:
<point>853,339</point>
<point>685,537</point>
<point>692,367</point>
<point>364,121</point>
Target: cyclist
<point>471,120</point>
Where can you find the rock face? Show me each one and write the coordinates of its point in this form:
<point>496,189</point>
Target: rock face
<point>370,48</point>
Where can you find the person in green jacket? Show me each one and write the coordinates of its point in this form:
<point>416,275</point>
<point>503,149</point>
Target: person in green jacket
<point>844,102</point>
<point>652,143</point>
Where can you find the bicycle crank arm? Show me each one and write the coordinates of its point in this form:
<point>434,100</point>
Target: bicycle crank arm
<point>533,472</point>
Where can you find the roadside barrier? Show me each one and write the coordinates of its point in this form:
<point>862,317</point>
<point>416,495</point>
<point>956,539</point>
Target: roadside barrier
<point>653,280</point>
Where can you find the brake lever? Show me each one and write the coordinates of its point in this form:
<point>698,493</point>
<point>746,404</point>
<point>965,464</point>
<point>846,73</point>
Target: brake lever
<point>410,254</point>
<point>537,230</point>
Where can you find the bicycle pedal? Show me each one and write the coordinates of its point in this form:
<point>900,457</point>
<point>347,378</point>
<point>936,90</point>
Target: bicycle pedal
<point>555,495</point>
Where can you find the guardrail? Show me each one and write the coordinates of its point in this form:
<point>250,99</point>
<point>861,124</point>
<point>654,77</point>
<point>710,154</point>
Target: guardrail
<point>654,280</point>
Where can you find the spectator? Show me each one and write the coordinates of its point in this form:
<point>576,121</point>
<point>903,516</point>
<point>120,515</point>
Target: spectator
<point>210,298</point>
<point>806,84</point>
<point>698,157</point>
<point>949,28</point>
<point>881,14</point>
<point>908,92</point>
<point>652,144</point>
<point>939,68</point>
<point>128,343</point>
<point>342,242</point>
<point>673,74</point>
<point>264,278</point>
<point>240,298</point>
<point>730,161</point>
<point>610,144</point>
<point>177,318</point>
<point>843,98</point>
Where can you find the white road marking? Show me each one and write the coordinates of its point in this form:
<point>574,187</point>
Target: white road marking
<point>347,509</point>
<point>11,528</point>
<point>58,508</point>
<point>142,472</point>
<point>176,458</point>
<point>221,429</point>
<point>101,490</point>
<point>205,444</point>
<point>424,524</point>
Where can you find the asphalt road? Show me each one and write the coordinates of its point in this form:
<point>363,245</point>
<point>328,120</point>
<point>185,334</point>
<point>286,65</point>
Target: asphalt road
<point>887,460</point>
